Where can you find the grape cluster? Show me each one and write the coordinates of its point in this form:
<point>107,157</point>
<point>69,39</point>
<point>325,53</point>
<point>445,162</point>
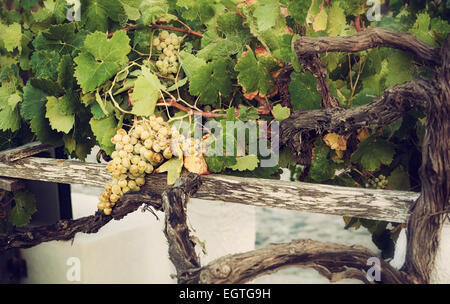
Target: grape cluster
<point>168,45</point>
<point>379,182</point>
<point>137,152</point>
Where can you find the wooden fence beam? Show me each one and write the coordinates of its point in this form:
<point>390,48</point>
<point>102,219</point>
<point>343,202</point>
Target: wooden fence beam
<point>315,198</point>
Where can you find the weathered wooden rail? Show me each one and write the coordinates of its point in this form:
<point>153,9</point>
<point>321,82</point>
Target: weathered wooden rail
<point>344,201</point>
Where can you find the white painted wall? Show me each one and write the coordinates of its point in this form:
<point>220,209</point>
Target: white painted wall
<point>134,249</point>
<point>441,271</point>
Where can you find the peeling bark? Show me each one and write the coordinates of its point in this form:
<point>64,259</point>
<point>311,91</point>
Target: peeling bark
<point>302,127</point>
<point>427,219</point>
<point>370,38</point>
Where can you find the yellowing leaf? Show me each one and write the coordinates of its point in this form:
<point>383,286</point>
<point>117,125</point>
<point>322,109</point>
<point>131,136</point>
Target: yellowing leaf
<point>336,141</point>
<point>248,162</point>
<point>363,134</point>
<point>320,21</point>
<point>173,168</point>
<point>196,164</point>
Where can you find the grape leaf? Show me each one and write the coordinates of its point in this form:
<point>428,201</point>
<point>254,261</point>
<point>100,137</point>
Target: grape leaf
<point>248,162</point>
<point>320,21</point>
<point>337,23</point>
<point>65,72</point>
<point>103,130</point>
<point>191,64</point>
<point>197,9</point>
<point>211,81</point>
<point>322,168</point>
<point>9,116</point>
<point>399,179</point>
<point>219,163</point>
<point>173,168</point>
<point>48,86</point>
<point>152,10</point>
<point>303,91</point>
<point>421,29</point>
<point>364,97</point>
<point>400,68</point>
<point>57,114</point>
<point>101,59</point>
<point>266,13</point>
<point>11,36</point>
<point>281,113</point>
<point>145,94</point>
<point>298,10</point>
<point>373,152</point>
<point>254,72</point>
<point>45,64</point>
<point>95,14</point>
<point>335,141</point>
<point>25,206</point>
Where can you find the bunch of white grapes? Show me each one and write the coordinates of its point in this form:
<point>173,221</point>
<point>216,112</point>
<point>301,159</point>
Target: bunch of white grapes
<point>168,45</point>
<point>137,152</point>
<point>379,182</point>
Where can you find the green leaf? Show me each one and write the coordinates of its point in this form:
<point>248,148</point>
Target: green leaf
<point>173,168</point>
<point>373,152</point>
<point>48,86</point>
<point>399,179</point>
<point>364,97</point>
<point>217,164</point>
<point>59,120</point>
<point>101,59</point>
<point>248,162</point>
<point>303,91</point>
<point>298,10</point>
<point>266,13</point>
<point>322,168</point>
<point>191,64</point>
<point>421,29</point>
<point>9,115</point>
<point>45,64</point>
<point>147,90</point>
<point>11,36</point>
<point>103,130</point>
<point>152,10</point>
<point>254,73</point>
<point>320,21</point>
<point>202,10</point>
<point>96,13</point>
<point>65,72</point>
<point>20,215</point>
<point>69,143</point>
<point>281,113</point>
<point>13,100</point>
<point>400,68</point>
<point>337,22</point>
<point>210,82</point>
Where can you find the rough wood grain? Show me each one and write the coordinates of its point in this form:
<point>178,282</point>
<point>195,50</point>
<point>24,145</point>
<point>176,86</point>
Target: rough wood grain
<point>302,127</point>
<point>360,202</point>
<point>370,38</point>
<point>174,202</point>
<point>427,219</point>
<point>334,261</point>
<point>11,184</point>
<point>65,230</point>
<point>26,150</point>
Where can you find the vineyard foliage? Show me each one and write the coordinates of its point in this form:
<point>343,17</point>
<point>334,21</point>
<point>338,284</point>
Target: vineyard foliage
<point>74,72</point>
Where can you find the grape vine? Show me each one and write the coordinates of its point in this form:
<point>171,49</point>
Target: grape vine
<point>124,74</point>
